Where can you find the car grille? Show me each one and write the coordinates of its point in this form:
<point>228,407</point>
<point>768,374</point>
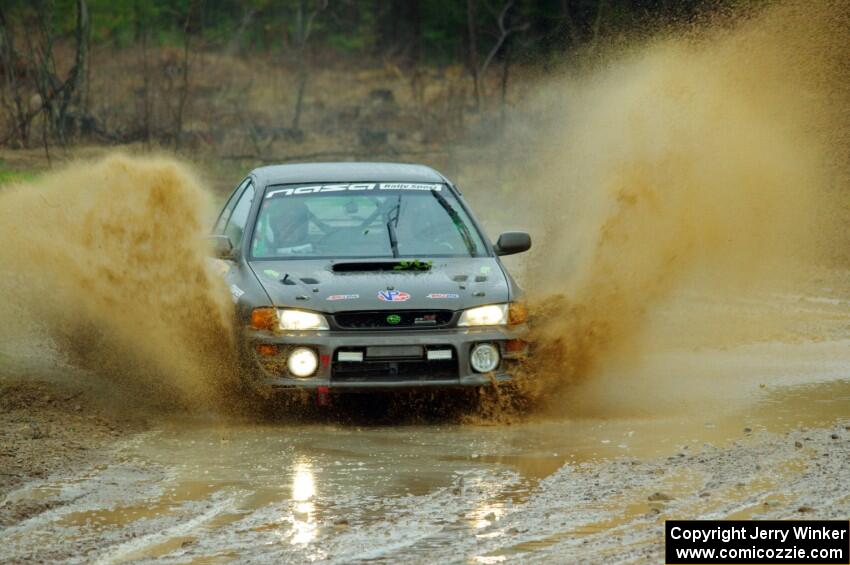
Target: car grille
<point>394,319</point>
<point>407,363</point>
<point>396,370</point>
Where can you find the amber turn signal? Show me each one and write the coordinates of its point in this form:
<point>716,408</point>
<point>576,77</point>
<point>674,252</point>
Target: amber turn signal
<point>264,319</point>
<point>517,313</point>
<point>267,349</point>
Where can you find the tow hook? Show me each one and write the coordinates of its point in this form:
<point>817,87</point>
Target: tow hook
<point>323,396</point>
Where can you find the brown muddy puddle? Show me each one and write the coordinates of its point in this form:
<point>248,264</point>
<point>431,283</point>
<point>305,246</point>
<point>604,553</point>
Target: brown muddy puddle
<point>200,492</point>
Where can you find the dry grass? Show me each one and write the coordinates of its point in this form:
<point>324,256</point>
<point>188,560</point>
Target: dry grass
<point>243,106</point>
<point>240,108</point>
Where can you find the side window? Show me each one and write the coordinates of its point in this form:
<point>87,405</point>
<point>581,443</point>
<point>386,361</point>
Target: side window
<point>236,224</point>
<point>228,208</point>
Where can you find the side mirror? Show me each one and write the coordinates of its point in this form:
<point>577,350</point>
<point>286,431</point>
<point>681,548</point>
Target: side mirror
<point>222,247</point>
<point>512,242</point>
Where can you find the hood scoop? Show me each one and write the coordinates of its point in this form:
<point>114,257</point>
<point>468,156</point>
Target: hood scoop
<point>381,266</point>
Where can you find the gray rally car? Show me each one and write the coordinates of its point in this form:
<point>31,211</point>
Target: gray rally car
<point>353,276</point>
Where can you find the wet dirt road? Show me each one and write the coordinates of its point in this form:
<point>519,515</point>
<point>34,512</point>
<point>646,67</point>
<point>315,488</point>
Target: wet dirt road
<point>764,434</point>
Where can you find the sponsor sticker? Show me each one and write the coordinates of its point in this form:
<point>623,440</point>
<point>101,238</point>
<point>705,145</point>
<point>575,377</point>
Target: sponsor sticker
<point>351,187</point>
<point>343,297</point>
<point>393,319</point>
<point>426,320</point>
<point>442,296</point>
<point>236,293</point>
<point>271,273</point>
<point>393,296</point>
<point>409,186</point>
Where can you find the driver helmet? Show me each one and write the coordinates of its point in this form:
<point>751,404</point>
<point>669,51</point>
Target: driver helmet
<point>289,225</point>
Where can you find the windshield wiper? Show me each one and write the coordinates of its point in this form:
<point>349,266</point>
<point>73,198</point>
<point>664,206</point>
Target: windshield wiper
<point>461,227</point>
<point>392,224</point>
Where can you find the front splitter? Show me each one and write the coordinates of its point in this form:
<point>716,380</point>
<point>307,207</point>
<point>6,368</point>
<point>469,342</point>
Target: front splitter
<point>354,386</point>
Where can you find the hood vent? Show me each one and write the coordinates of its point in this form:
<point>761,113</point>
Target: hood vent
<point>382,266</point>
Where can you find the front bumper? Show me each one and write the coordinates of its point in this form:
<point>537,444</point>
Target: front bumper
<point>455,373</point>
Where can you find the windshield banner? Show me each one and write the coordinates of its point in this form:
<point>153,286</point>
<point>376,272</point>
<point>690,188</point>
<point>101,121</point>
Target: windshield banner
<point>352,187</point>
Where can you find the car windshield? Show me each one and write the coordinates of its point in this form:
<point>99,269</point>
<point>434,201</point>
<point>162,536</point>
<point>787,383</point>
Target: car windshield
<point>363,220</point>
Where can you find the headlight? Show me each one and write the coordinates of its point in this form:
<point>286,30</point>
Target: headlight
<point>301,320</point>
<point>490,315</point>
<point>282,319</point>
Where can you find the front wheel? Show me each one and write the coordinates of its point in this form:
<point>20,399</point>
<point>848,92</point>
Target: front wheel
<point>502,402</point>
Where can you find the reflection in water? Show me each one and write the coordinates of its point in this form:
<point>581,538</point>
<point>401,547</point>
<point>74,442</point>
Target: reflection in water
<point>489,509</point>
<point>489,559</point>
<point>486,514</point>
<point>303,483</point>
<point>491,506</point>
<point>303,518</point>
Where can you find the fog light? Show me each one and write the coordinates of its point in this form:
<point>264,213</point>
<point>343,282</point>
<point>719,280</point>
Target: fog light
<point>484,357</point>
<point>302,362</point>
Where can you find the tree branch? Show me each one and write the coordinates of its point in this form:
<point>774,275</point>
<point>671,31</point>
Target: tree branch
<point>504,32</point>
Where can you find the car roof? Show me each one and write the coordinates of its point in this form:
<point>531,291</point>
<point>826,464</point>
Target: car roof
<point>346,172</point>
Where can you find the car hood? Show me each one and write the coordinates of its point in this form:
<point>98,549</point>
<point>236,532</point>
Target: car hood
<point>450,284</point>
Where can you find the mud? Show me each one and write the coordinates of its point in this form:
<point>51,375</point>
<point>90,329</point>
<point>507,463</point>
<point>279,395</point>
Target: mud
<point>104,267</point>
<point>582,487</point>
<point>50,428</point>
<point>690,347</point>
<point>749,426</point>
<point>694,161</point>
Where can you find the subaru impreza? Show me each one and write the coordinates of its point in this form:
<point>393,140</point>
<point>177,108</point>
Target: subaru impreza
<point>366,276</point>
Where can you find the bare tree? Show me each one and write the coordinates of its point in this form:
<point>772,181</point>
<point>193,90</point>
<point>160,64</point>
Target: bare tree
<point>193,10</point>
<point>46,81</point>
<point>71,88</point>
<point>246,21</point>
<point>142,36</point>
<point>504,31</point>
<point>58,95</point>
<point>14,73</point>
<point>506,67</point>
<point>472,27</point>
<point>597,22</point>
<point>304,17</point>
<point>55,96</point>
<point>570,24</point>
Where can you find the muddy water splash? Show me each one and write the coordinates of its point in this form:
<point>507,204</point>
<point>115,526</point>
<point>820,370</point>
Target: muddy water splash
<point>715,156</point>
<point>107,259</point>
